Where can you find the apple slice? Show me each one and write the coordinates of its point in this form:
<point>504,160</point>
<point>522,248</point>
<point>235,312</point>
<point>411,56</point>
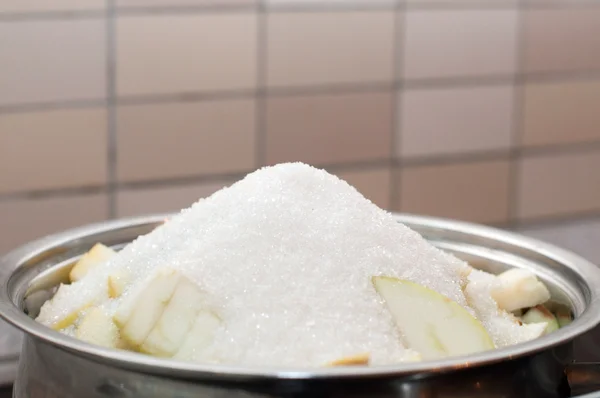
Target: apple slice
<point>122,344</point>
<point>563,316</point>
<point>117,282</point>
<point>96,327</point>
<point>541,314</point>
<point>97,255</point>
<point>176,320</point>
<point>430,323</point>
<point>139,311</point>
<point>57,314</point>
<point>411,355</point>
<point>519,288</point>
<point>354,360</point>
<point>200,335</point>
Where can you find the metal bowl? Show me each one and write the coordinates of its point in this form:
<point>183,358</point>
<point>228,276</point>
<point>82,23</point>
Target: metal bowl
<point>66,367</point>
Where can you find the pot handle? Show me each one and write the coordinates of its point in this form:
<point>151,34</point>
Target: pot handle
<point>583,377</point>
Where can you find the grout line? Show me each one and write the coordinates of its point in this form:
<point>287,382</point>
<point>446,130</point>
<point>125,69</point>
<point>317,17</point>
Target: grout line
<point>49,106</point>
<point>53,193</point>
<point>560,149</point>
<point>517,119</point>
<point>459,158</point>
<point>186,9</point>
<point>368,165</point>
<point>181,181</point>
<point>67,15</point>
<point>499,154</point>
<point>334,88</point>
<point>324,6</point>
<point>459,5</point>
<point>458,81</point>
<point>398,65</point>
<point>476,5</point>
<point>559,4</point>
<point>261,77</point>
<point>343,88</point>
<point>312,8</point>
<point>185,97</point>
<point>111,69</point>
<point>561,76</point>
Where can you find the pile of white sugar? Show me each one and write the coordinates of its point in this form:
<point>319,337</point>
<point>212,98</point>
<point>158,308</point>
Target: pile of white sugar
<point>286,256</point>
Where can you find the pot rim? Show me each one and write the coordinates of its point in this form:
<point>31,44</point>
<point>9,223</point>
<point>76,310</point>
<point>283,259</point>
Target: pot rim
<point>587,320</point>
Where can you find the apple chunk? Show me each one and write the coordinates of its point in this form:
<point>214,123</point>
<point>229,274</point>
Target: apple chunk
<point>176,320</point>
<point>563,317</point>
<point>57,314</point>
<point>519,288</point>
<point>541,314</point>
<point>200,335</point>
<point>140,310</point>
<point>117,282</point>
<point>97,255</point>
<point>430,323</point>
<point>96,327</point>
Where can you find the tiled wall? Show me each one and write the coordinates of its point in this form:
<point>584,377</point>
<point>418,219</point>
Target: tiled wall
<point>483,110</point>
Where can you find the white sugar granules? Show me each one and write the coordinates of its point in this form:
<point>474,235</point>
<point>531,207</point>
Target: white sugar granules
<point>286,256</point>
<point>502,326</point>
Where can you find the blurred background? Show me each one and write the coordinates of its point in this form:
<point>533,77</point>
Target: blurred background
<point>480,110</point>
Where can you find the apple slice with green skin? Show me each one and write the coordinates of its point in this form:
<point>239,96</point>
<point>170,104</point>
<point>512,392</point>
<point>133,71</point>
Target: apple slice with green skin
<point>519,288</point>
<point>199,336</point>
<point>140,310</point>
<point>95,256</point>
<point>176,320</point>
<point>541,314</point>
<point>563,317</point>
<point>97,327</point>
<point>430,323</point>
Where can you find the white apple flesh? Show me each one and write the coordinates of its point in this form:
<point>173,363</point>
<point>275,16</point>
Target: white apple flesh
<point>95,256</point>
<point>176,320</point>
<point>117,283</point>
<point>97,327</point>
<point>55,314</point>
<point>519,288</point>
<point>200,336</point>
<point>139,311</point>
<point>429,322</point>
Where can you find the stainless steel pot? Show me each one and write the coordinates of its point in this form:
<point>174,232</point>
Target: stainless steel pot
<point>55,365</point>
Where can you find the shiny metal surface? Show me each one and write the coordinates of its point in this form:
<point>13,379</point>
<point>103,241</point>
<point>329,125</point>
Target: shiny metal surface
<point>96,372</point>
<point>49,372</point>
<point>583,377</point>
